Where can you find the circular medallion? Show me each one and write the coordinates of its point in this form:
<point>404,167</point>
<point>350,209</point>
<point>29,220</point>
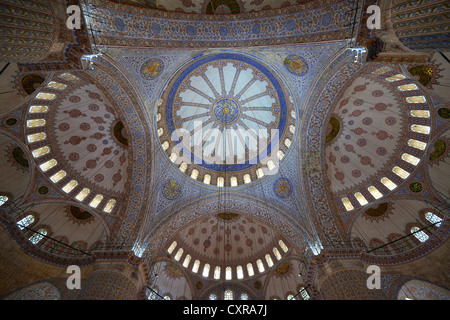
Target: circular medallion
<point>296,65</point>
<point>226,111</point>
<point>282,188</point>
<point>151,69</point>
<point>171,189</point>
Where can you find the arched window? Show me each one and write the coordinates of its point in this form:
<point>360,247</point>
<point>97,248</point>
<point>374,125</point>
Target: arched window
<point>195,266</point>
<point>206,270</point>
<point>420,235</point>
<point>217,273</point>
<point>277,253</point>
<point>290,297</point>
<point>172,247</point>
<point>3,200</point>
<point>228,295</point>
<point>240,272</point>
<point>179,254</point>
<point>228,273</point>
<point>433,218</point>
<point>25,222</point>
<point>283,246</point>
<point>186,261</point>
<point>152,295</point>
<point>269,260</point>
<point>250,269</point>
<point>244,296</point>
<point>38,236</point>
<point>212,296</point>
<point>260,265</point>
<point>304,294</point>
<point>166,298</point>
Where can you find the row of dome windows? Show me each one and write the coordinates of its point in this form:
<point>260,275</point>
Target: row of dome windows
<point>420,145</point>
<point>39,152</point>
<point>228,270</point>
<point>233,180</point>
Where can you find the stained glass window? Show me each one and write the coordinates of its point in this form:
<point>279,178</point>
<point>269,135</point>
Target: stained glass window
<point>250,270</point>
<point>82,194</point>
<point>69,76</point>
<point>36,137</point>
<point>172,247</point>
<point>58,176</point>
<point>381,71</point>
<point>195,266</point>
<point>38,236</point>
<point>260,265</point>
<point>361,199</point>
<point>96,201</point>
<point>408,87</point>
<point>433,218</point>
<point>375,192</point>
<point>420,113</point>
<point>179,254</point>
<point>269,260</point>
<point>166,298</point>
<point>304,294</point>
<point>283,246</point>
<point>38,109</point>
<point>45,96</point>
<point>388,183</point>
<point>69,186</point>
<point>35,123</point>
<point>416,99</point>
<point>152,295</point>
<point>110,205</point>
<point>40,152</point>
<point>217,273</point>
<point>400,172</point>
<point>396,77</point>
<point>228,295</point>
<point>420,129</point>
<point>417,144</point>
<point>205,270</point>
<point>56,85</point>
<point>25,222</point>
<point>244,296</point>
<point>48,165</point>
<point>228,273</point>
<point>410,159</point>
<point>239,272</point>
<point>186,261</point>
<point>212,296</point>
<point>290,297</point>
<point>277,253</point>
<point>422,236</point>
<point>347,204</point>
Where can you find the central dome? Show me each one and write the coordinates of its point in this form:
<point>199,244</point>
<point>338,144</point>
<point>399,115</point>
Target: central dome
<point>222,117</point>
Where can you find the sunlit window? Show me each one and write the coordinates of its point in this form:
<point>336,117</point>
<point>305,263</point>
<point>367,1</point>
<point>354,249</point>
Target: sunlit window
<point>408,87</point>
<point>410,159</point>
<point>260,172</point>
<point>361,199</point>
<point>207,179</point>
<point>416,99</point>
<point>270,165</point>
<point>205,270</point>
<point>417,144</point>
<point>172,247</point>
<point>38,236</point>
<point>280,154</point>
<point>422,236</point>
<point>82,194</point>
<point>277,253</point>
<point>69,186</point>
<point>347,204</point>
<point>173,157</point>
<point>228,273</point>
<point>58,176</point>
<point>283,246</point>
<point>36,137</point>
<point>388,183</point>
<point>396,77</point>
<point>196,266</point>
<point>166,298</point>
<point>25,222</point>
<point>69,76</point>
<point>244,296</point>
<point>110,205</point>
<point>56,85</point>
<point>212,296</point>
<point>381,71</point>
<point>45,96</point>
<point>48,165</point>
<point>400,172</point>
<point>233,181</point>
<point>292,129</point>
<point>420,129</point>
<point>304,294</point>
<point>269,260</point>
<point>239,272</point>
<point>420,113</point>
<point>220,181</point>
<point>179,254</point>
<point>217,273</point>
<point>3,200</point>
<point>40,152</point>
<point>160,132</point>
<point>228,295</point>
<point>165,145</point>
<point>293,114</point>
<point>33,123</point>
<point>287,142</point>
<point>250,270</point>
<point>194,174</point>
<point>186,261</point>
<point>183,167</point>
<point>38,109</point>
<point>375,192</point>
<point>433,218</point>
<point>260,265</point>
<point>96,201</point>
<point>290,297</point>
<point>247,178</point>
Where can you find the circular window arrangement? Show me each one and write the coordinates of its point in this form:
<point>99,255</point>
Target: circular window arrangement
<point>226,119</point>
